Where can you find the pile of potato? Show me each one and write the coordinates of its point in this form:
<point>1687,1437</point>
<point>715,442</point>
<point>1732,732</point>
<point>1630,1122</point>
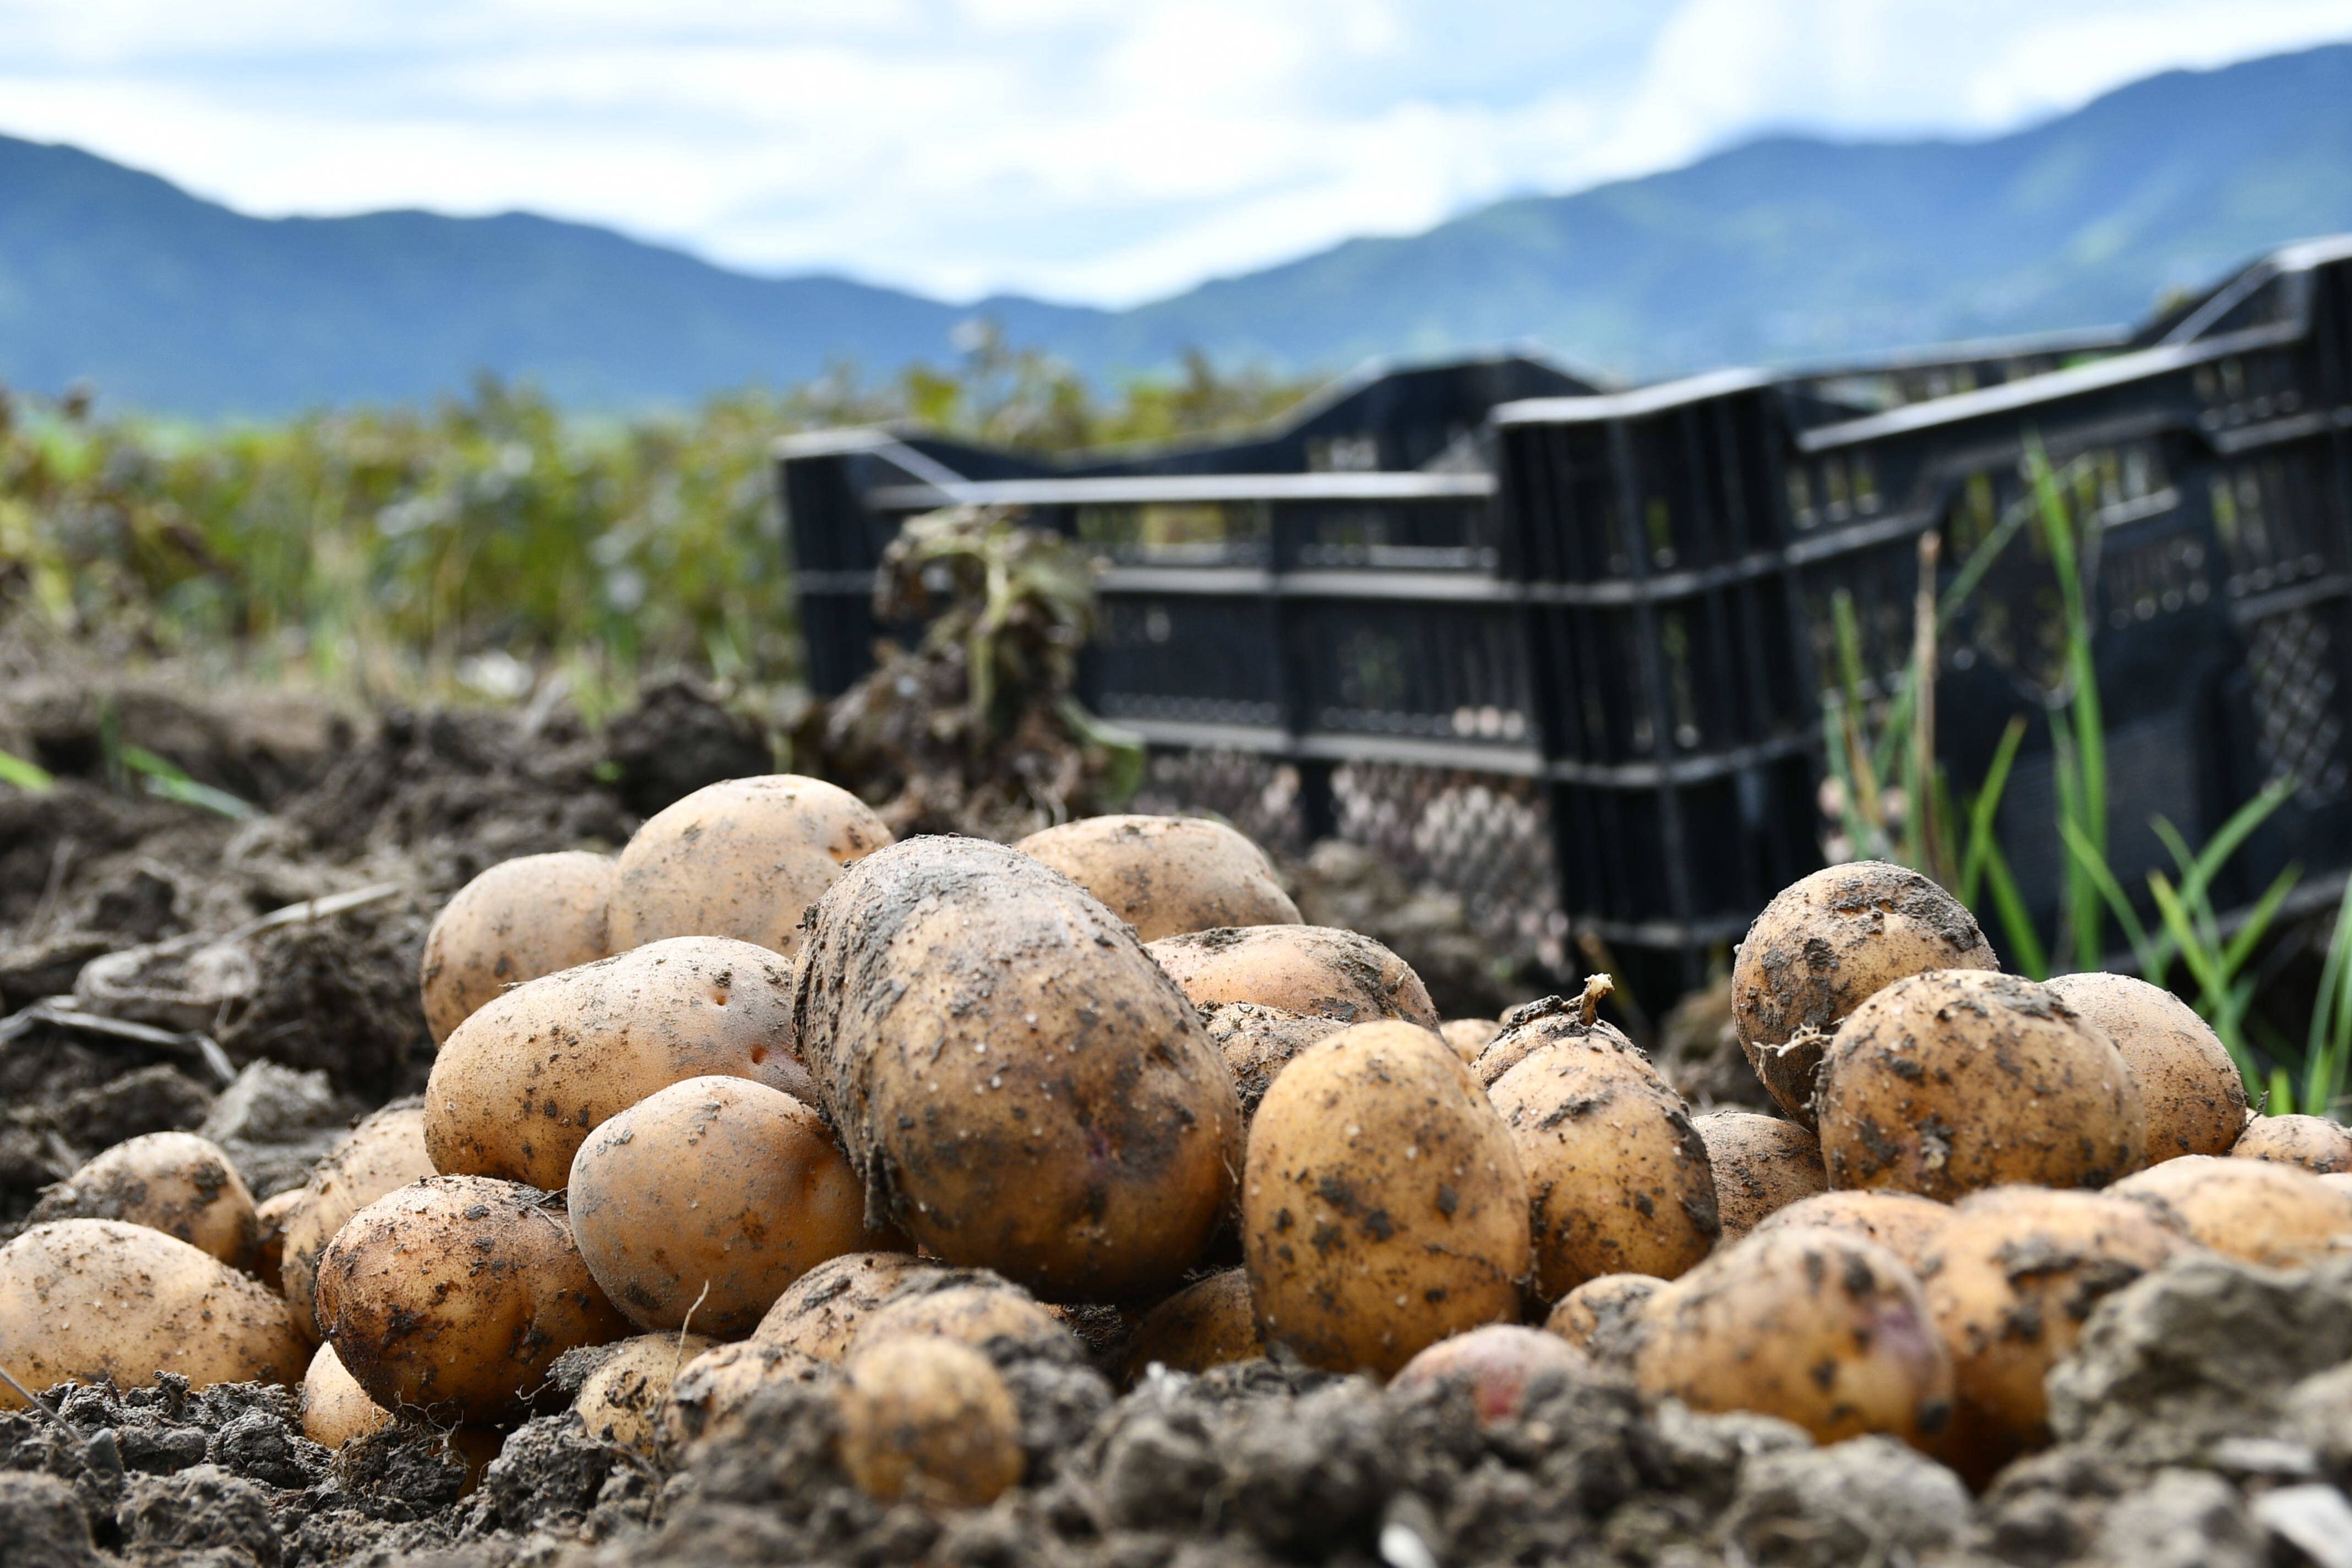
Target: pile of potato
<point>769,1098</point>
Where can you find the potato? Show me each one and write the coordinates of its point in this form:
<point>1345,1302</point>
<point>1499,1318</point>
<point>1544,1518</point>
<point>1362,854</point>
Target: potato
<point>928,1420</point>
<point>335,1409</point>
<point>1299,969</point>
<point>1164,875</point>
<point>1382,1206</point>
<point>821,1313</point>
<point>1020,1085</point>
<point>1617,1176</point>
<point>520,1085</point>
<point>2189,1090</point>
<point>1602,1316</point>
<point>710,1392</point>
<point>2009,1282</point>
<point>521,918</point>
<point>270,1219</point>
<point>103,1297</point>
<point>620,1402</point>
<point>1905,1224</point>
<point>383,1154</point>
<point>1956,1079</point>
<point>706,1198</point>
<point>743,859</point>
<point>1513,1044</point>
<point>973,1308</point>
<point>176,1183</point>
<point>1258,1042</point>
<point>2259,1210</point>
<point>2318,1145</point>
<point>1499,1366</point>
<point>1208,1323</point>
<point>1469,1036</point>
<point>453,1296</point>
<point>1762,1164</point>
<point>1825,945</point>
<point>1812,1325</point>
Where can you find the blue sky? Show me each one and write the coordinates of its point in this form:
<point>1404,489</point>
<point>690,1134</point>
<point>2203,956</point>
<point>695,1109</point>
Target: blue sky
<point>1105,150</point>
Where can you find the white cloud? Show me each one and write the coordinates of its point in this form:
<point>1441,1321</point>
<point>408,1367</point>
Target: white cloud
<point>1087,149</point>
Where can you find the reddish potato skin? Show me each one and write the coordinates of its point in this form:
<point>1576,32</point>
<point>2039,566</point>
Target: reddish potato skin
<point>1499,1365</point>
<point>1166,875</point>
<point>1822,947</point>
<point>2314,1143</point>
<point>1315,970</point>
<point>2194,1100</point>
<point>523,918</point>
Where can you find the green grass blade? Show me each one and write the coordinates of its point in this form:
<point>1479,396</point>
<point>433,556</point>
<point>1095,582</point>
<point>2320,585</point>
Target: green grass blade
<point>2152,962</point>
<point>2017,925</point>
<point>30,777</point>
<point>2258,919</point>
<point>2204,967</point>
<point>1986,806</point>
<point>165,779</point>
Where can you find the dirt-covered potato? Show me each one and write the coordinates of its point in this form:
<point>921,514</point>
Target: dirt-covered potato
<point>1163,875</point>
<point>708,1198</point>
<point>1258,1042</point>
<point>1208,1323</point>
<point>1469,1036</point>
<point>928,1420</point>
<point>973,1308</point>
<point>270,1219</point>
<point>521,918</point>
<point>1497,1366</point>
<point>620,1402</point>
<point>453,1296</point>
<point>821,1313</point>
<point>520,1085</point>
<point>2011,1278</point>
<point>2189,1090</point>
<point>1812,1325</point>
<point>1762,1164</point>
<point>1617,1176</point>
<point>1602,1316</point>
<point>1959,1079</point>
<point>2259,1210</point>
<point>176,1183</point>
<point>1905,1224</point>
<point>710,1393</point>
<point>1382,1204</point>
<point>1300,969</point>
<point>335,1409</point>
<point>101,1298</point>
<point>2318,1145</point>
<point>383,1154</point>
<point>1021,1087</point>
<point>1825,945</point>
<point>744,859</point>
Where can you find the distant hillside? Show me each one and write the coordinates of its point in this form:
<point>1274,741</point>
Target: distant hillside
<point>1782,248</point>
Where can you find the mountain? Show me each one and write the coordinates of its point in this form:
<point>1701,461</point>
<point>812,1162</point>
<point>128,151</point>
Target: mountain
<point>1782,248</point>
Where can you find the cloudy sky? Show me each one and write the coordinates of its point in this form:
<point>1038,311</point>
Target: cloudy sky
<point>1089,150</point>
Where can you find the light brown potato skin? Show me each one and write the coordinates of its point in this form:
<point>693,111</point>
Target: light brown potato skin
<point>2314,1143</point>
<point>993,1316</point>
<point>520,1085</point>
<point>2189,1090</point>
<point>821,1313</point>
<point>710,1393</point>
<point>1208,1323</point>
<point>928,1420</point>
<point>620,1402</point>
<point>1602,1316</point>
<point>2013,1276</point>
<point>1534,1026</point>
<point>1826,944</point>
<point>383,1154</point>
<point>1617,1176</point>
<point>453,1296</point>
<point>1762,1164</point>
<point>1469,1036</point>
<point>1300,969</point>
<point>1814,1326</point>
<point>2265,1212</point>
<point>176,1183</point>
<point>1905,1224</point>
<point>101,1298</point>
<point>521,918</point>
<point>1959,1079</point>
<point>1257,1042</point>
<point>1498,1364</point>
<point>1383,1204</point>
<point>269,1218</point>
<point>1020,1085</point>
<point>708,1197</point>
<point>744,859</point>
<point>335,1409</point>
<point>1165,875</point>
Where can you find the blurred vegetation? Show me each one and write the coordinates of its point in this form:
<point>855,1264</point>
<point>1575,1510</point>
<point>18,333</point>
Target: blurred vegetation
<point>486,541</point>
